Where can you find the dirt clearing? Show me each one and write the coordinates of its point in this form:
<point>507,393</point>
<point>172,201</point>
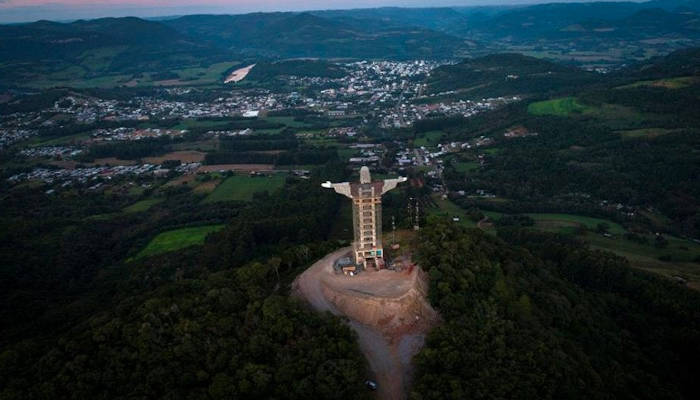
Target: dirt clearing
<point>388,311</point>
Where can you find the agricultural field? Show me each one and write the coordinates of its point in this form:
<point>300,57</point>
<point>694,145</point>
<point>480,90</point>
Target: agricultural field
<point>559,107</point>
<point>201,76</point>
<point>141,206</point>
<point>177,239</point>
<point>242,188</point>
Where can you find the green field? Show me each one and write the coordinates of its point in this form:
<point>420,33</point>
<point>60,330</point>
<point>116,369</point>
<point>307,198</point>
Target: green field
<point>447,209</point>
<point>207,75</point>
<point>560,107</point>
<point>93,63</point>
<point>177,239</point>
<point>567,223</point>
<point>241,187</point>
<point>465,167</point>
<point>142,205</point>
<point>428,139</point>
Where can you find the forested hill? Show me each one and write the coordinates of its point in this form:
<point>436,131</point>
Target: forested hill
<point>685,62</point>
<point>84,318</point>
<point>543,317</point>
<point>308,35</point>
<point>508,74</point>
<point>104,47</point>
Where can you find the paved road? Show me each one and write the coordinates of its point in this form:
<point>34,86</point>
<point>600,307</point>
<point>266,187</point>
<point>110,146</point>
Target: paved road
<point>389,363</point>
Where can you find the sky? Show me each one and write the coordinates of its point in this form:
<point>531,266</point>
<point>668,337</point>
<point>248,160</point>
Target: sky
<point>62,10</point>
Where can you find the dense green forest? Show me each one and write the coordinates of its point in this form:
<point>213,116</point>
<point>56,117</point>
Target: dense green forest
<point>534,315</point>
<point>84,320</point>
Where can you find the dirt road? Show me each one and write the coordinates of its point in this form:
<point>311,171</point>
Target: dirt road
<point>389,357</point>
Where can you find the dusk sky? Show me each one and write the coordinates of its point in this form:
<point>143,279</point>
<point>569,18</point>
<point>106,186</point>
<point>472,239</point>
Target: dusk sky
<point>30,10</point>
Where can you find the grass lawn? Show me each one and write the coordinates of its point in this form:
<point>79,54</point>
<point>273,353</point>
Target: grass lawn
<point>242,187</point>
<point>447,209</point>
<point>142,205</point>
<point>567,223</point>
<point>177,239</point>
<point>560,107</point>
<point>428,139</point>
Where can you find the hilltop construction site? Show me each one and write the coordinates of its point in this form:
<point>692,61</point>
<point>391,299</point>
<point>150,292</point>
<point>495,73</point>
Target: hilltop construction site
<point>387,309</point>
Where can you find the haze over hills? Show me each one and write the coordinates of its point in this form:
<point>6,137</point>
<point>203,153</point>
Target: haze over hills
<point>603,33</point>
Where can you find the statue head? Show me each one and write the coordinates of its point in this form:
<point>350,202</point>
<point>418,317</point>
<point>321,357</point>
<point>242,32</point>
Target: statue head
<point>365,177</point>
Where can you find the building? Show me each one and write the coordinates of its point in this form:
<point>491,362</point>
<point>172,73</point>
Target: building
<point>366,198</point>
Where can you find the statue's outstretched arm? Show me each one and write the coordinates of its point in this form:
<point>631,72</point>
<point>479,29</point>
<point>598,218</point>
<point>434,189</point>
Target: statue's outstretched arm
<point>392,183</point>
<point>340,188</point>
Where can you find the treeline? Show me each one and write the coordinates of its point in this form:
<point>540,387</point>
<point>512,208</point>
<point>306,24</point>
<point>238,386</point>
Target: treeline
<point>129,150</point>
<point>302,156</point>
<point>438,124</point>
<point>556,319</point>
<point>258,143</point>
<point>34,102</point>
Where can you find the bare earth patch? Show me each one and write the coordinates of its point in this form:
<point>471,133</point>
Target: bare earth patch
<point>239,74</point>
<point>388,310</point>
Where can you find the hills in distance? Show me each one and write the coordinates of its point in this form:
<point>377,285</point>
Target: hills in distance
<point>575,33</point>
